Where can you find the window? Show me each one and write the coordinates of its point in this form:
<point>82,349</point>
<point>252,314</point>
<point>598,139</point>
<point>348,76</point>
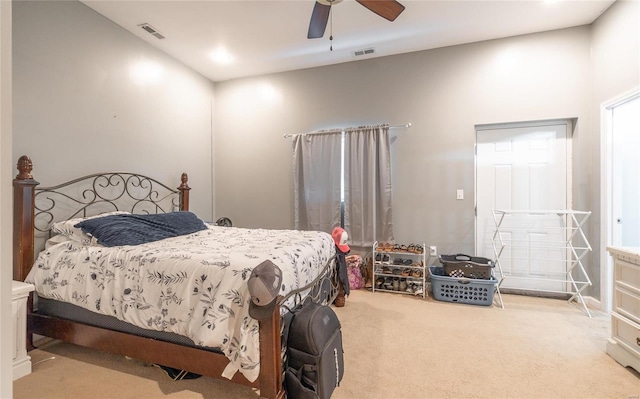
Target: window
<point>343,177</point>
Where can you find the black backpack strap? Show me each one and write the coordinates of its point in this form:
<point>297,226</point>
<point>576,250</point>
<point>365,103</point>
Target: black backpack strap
<point>288,320</point>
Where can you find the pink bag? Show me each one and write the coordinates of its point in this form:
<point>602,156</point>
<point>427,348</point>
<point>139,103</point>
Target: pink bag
<point>354,264</point>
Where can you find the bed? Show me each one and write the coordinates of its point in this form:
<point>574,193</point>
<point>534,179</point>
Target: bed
<point>179,301</point>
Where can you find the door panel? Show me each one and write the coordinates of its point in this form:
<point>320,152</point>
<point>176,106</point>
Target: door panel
<point>625,174</point>
<point>523,168</point>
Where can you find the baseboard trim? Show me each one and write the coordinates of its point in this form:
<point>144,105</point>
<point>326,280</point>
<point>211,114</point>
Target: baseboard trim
<point>533,293</point>
<point>22,367</point>
<point>593,303</point>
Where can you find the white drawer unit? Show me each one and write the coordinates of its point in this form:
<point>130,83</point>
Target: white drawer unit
<point>21,361</point>
<point>624,344</point>
<point>626,333</point>
<point>627,304</point>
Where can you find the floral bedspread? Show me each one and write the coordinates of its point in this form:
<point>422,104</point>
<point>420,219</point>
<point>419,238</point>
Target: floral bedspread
<point>192,285</point>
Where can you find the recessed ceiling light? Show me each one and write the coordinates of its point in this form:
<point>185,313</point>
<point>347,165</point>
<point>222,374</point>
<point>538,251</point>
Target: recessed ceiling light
<point>221,56</point>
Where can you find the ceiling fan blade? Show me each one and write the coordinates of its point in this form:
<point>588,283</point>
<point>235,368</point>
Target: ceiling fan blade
<point>319,19</point>
<point>388,9</point>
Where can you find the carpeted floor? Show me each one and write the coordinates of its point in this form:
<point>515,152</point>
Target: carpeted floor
<point>396,346</point>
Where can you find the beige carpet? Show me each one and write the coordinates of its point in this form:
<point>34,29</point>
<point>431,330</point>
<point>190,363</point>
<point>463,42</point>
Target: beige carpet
<point>396,346</point>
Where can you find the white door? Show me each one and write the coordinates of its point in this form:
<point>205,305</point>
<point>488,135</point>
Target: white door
<point>625,123</point>
<point>621,181</point>
<point>518,168</point>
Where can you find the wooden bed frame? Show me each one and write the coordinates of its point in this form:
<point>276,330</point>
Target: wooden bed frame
<point>200,361</point>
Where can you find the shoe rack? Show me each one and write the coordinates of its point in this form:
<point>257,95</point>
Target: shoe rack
<point>399,268</point>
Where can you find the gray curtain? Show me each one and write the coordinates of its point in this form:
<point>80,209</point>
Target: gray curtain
<point>368,194</point>
<point>316,174</point>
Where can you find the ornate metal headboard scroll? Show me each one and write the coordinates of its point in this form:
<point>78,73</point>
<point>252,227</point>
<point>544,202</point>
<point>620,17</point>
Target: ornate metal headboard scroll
<point>37,208</point>
<point>102,192</point>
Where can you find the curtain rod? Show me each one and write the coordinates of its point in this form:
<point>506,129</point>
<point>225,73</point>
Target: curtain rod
<point>338,130</point>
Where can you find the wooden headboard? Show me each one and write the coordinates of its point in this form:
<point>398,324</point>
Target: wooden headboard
<point>35,209</point>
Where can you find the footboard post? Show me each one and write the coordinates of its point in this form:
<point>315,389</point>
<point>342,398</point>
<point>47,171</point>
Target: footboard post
<point>184,192</point>
<point>23,219</point>
<point>271,384</point>
<point>23,225</point>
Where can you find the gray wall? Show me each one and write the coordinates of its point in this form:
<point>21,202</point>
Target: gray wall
<point>444,93</point>
<point>78,108</point>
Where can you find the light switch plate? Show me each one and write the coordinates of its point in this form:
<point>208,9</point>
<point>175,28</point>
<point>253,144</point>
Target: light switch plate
<point>460,194</point>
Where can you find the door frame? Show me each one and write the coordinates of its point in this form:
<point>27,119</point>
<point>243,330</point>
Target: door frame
<point>606,190</point>
<point>569,122</point>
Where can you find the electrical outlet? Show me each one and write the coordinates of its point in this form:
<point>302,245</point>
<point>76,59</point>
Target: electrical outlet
<point>433,251</point>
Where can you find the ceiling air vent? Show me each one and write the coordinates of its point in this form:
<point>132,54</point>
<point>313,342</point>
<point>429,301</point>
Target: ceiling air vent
<point>363,52</point>
<point>152,30</point>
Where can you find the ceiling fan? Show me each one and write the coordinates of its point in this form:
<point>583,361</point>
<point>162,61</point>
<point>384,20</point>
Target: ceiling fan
<point>388,9</point>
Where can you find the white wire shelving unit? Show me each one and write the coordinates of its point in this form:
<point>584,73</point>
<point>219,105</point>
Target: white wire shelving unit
<point>542,238</point>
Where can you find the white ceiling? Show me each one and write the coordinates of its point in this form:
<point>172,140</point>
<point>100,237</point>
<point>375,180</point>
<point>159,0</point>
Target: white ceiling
<point>271,36</point>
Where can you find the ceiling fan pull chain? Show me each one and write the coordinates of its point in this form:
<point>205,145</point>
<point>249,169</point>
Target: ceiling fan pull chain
<point>331,29</point>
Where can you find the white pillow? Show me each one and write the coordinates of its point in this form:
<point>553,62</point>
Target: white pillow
<point>67,228</point>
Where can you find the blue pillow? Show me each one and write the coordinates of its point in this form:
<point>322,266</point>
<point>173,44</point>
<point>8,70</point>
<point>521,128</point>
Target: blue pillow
<point>116,230</point>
